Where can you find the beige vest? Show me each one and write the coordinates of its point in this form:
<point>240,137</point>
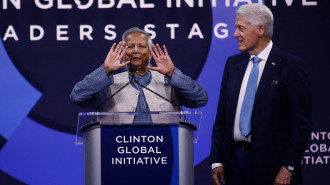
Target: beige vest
<point>126,100</point>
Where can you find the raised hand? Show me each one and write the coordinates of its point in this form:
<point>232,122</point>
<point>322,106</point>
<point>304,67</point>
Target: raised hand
<point>163,61</point>
<point>113,59</point>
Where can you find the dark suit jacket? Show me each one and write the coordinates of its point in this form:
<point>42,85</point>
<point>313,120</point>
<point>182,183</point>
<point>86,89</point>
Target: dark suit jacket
<point>281,117</point>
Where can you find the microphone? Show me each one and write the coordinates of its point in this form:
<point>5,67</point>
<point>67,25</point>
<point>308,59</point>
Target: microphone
<point>132,70</point>
<point>184,122</point>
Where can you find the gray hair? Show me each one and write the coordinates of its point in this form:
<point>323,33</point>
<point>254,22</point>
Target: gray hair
<point>256,14</point>
<point>136,30</point>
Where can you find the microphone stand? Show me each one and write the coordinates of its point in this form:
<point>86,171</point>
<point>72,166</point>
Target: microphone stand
<point>172,102</point>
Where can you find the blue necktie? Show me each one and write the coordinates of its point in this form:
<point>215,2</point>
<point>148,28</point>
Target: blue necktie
<point>248,101</point>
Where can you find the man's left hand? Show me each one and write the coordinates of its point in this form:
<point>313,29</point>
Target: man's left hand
<point>283,177</point>
<point>163,61</point>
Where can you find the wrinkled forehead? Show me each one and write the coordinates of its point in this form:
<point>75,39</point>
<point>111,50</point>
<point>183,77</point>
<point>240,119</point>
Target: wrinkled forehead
<point>136,37</point>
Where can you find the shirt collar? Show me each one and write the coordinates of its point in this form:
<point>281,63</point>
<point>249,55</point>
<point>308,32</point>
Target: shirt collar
<point>142,79</point>
<point>264,53</point>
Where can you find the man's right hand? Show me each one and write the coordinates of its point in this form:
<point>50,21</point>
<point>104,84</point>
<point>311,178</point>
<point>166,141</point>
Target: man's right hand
<point>113,59</point>
<point>216,173</point>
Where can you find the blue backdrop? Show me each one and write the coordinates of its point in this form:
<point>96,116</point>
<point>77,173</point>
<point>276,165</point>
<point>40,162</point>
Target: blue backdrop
<point>47,46</point>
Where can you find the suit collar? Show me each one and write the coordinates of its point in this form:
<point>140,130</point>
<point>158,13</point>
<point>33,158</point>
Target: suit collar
<point>272,65</point>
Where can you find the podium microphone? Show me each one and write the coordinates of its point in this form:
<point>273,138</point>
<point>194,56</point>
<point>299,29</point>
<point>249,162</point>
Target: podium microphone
<point>133,70</point>
<point>133,77</point>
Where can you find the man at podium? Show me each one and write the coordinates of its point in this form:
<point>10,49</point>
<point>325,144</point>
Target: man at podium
<point>143,88</point>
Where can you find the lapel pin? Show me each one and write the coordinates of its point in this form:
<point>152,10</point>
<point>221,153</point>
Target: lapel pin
<point>273,63</point>
<point>274,82</point>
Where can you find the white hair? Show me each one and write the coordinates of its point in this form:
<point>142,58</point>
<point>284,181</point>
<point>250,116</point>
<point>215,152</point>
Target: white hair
<point>256,14</point>
<point>136,30</point>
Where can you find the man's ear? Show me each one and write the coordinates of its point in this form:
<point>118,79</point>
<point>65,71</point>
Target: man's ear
<point>261,30</point>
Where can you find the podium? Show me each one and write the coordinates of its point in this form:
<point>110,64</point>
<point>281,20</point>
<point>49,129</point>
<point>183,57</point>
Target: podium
<point>125,148</point>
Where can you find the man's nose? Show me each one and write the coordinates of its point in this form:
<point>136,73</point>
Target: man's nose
<point>236,33</point>
<point>136,49</point>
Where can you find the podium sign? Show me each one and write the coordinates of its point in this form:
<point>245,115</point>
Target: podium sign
<point>122,149</point>
<point>139,155</point>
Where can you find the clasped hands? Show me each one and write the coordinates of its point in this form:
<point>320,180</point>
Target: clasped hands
<point>162,59</point>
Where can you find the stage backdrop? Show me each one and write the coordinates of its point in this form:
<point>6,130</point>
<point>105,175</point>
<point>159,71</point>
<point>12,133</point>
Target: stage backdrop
<point>47,46</point>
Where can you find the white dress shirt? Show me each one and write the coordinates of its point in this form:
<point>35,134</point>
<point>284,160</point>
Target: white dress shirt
<point>238,136</point>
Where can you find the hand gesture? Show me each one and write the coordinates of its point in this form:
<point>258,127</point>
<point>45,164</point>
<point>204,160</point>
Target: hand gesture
<point>113,59</point>
<point>163,61</point>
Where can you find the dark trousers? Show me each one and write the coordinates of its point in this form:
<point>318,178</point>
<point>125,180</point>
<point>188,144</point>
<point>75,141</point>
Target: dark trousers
<point>242,173</point>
